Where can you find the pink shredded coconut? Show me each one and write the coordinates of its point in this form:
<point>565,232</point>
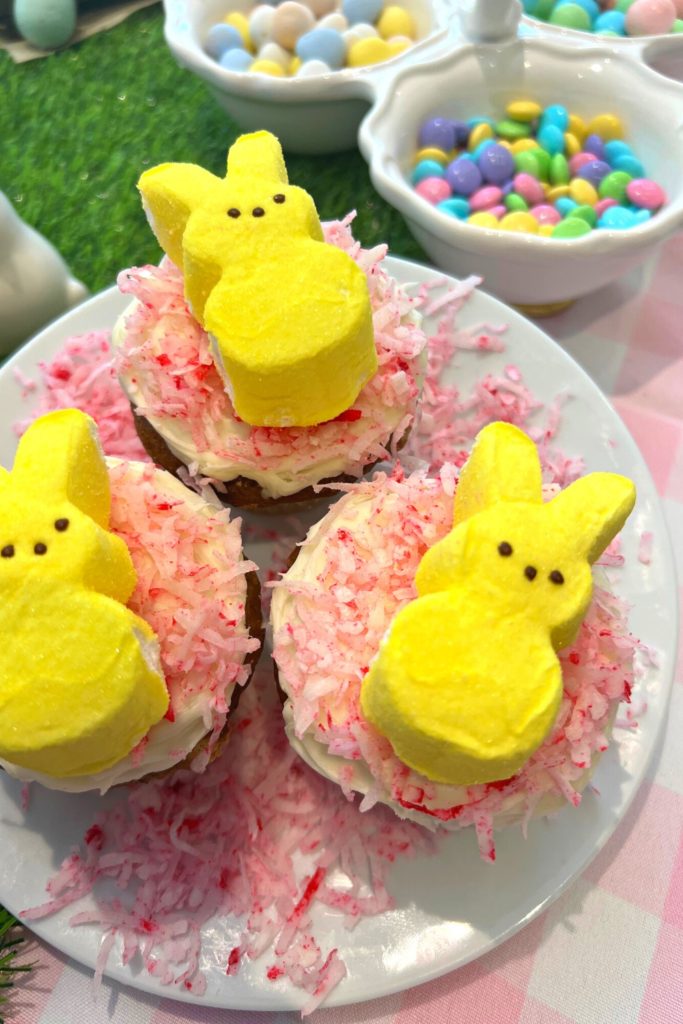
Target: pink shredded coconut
<point>645,547</point>
<point>167,362</point>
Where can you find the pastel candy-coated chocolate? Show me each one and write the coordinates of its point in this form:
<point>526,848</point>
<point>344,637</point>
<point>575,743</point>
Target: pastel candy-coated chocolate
<point>362,10</point>
<point>289,315</point>
<point>467,684</point>
<point>438,132</point>
<point>79,678</point>
<point>236,60</point>
<point>463,176</point>
<point>496,164</point>
<point>221,38</point>
<point>529,188</point>
<point>396,21</point>
<point>322,44</point>
<point>617,218</point>
<point>650,17</point>
<point>290,21</point>
<point>456,206</point>
<point>426,169</point>
<point>594,171</point>
<point>484,198</point>
<point>645,193</point>
<point>260,24</point>
<point>551,139</point>
<point>434,190</point>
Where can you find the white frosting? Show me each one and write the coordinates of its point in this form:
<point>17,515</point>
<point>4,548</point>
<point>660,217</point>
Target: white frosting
<point>168,743</point>
<point>291,474</point>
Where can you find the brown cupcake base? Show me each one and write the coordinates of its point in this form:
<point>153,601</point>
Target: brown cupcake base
<point>243,492</point>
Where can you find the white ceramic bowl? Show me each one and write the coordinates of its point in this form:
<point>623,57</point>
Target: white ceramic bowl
<point>529,270</point>
<point>320,114</point>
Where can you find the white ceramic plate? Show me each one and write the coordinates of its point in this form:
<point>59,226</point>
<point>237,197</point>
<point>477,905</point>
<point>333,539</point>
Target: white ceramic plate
<point>450,908</point>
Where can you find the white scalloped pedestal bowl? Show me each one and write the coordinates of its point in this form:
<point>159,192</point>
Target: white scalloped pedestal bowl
<point>320,114</point>
<point>529,270</point>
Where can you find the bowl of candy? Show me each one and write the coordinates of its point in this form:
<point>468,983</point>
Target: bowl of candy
<point>649,30</point>
<point>550,171</point>
<point>307,70</point>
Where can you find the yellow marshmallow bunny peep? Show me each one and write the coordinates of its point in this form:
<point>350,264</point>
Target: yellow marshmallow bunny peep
<point>289,315</point>
<point>80,683</point>
<point>467,684</point>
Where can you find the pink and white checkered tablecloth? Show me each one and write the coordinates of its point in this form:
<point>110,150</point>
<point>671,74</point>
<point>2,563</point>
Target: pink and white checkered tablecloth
<point>610,951</point>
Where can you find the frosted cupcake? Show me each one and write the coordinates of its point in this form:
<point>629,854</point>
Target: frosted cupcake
<point>266,353</point>
<point>131,619</point>
<point>455,662</point>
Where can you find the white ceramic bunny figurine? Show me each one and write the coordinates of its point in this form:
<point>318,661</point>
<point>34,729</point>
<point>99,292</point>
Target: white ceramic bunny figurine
<point>35,283</point>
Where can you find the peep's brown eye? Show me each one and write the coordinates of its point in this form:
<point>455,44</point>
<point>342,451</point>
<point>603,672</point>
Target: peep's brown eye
<point>531,572</point>
<point>61,525</point>
<point>40,548</point>
<point>258,211</point>
<point>233,212</point>
<point>279,198</point>
<point>556,577</point>
<point>505,549</point>
<point>7,551</point>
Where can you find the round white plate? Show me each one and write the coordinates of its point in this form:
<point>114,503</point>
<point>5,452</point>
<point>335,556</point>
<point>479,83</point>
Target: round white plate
<point>452,907</point>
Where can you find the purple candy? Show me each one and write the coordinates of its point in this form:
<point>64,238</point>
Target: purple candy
<point>594,144</point>
<point>496,164</point>
<point>463,176</point>
<point>594,171</point>
<point>439,133</point>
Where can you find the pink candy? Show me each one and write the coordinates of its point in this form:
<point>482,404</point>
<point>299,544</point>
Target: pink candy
<point>484,198</point>
<point>546,214</point>
<point>529,188</point>
<point>434,190</point>
<point>497,211</point>
<point>579,160</point>
<point>604,204</point>
<point>650,17</point>
<point>646,194</point>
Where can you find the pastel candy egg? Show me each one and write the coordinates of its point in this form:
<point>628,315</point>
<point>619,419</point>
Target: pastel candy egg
<point>496,164</point>
<point>530,189</point>
<point>610,21</point>
<point>335,20</point>
<point>291,20</point>
<point>45,25</point>
<point>322,44</point>
<point>267,67</point>
<point>594,171</point>
<point>483,220</point>
<point>484,198</point>
<point>399,44</point>
<point>438,132</point>
<point>571,16</point>
<point>310,68</point>
<point>434,190</point>
<point>396,21</point>
<point>645,193</point>
<point>463,176</point>
<point>220,38</point>
<point>456,206</point>
<point>240,22</point>
<point>260,22</point>
<point>294,65</point>
<point>356,32</point>
<point>276,53</point>
<point>320,7</point>
<point>236,60</point>
<point>524,223</point>
<point>362,10</point>
<point>650,17</point>
<point>368,51</point>
<point>426,169</point>
<point>546,214</point>
<point>571,227</point>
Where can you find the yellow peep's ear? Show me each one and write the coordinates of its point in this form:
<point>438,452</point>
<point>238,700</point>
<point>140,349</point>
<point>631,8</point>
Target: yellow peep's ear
<point>258,155</point>
<point>170,193</point>
<point>503,466</point>
<point>591,511</point>
<point>59,457</point>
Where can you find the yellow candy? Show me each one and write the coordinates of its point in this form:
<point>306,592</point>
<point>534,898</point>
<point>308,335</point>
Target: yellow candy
<point>241,23</point>
<point>545,230</point>
<point>432,153</point>
<point>371,50</point>
<point>467,684</point>
<point>480,133</point>
<point>557,192</point>
<point>582,192</point>
<point>506,144</point>
<point>483,220</point>
<point>572,146</point>
<point>290,315</point>
<point>523,110</point>
<point>79,682</point>
<point>577,127</point>
<point>519,221</point>
<point>399,44</point>
<point>267,67</point>
<point>521,145</point>
<point>294,66</point>
<point>607,126</point>
<point>396,21</point>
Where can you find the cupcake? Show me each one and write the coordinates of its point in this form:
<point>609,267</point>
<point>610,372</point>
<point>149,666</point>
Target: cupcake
<point>131,620</point>
<point>456,662</point>
<point>267,353</point>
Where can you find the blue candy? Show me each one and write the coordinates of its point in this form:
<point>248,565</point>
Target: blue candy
<point>426,169</point>
<point>594,144</point>
<point>222,37</point>
<point>616,148</point>
<point>463,176</point>
<point>551,138</point>
<point>367,11</point>
<point>610,21</point>
<point>481,148</point>
<point>565,205</point>
<point>557,116</point>
<point>438,132</point>
<point>617,218</point>
<point>641,216</point>
<point>322,44</point>
<point>236,60</point>
<point>497,164</point>
<point>591,8</point>
<point>456,206</point>
<point>631,164</point>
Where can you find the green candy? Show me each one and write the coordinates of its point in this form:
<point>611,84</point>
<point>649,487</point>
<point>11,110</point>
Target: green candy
<point>613,186</point>
<point>586,213</point>
<point>511,130</point>
<point>541,9</point>
<point>571,227</point>
<point>623,5</point>
<point>515,203</point>
<point>559,170</point>
<point>678,25</point>
<point>543,161</point>
<point>526,163</point>
<point>571,16</point>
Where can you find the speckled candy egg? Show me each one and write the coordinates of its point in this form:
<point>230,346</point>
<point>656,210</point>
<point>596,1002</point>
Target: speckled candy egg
<point>650,17</point>
<point>290,21</point>
<point>322,44</point>
<point>260,24</point>
<point>362,10</point>
<point>46,25</point>
<point>320,7</point>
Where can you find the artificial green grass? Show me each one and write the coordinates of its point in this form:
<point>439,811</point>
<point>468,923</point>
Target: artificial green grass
<point>78,127</point>
<point>10,942</point>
